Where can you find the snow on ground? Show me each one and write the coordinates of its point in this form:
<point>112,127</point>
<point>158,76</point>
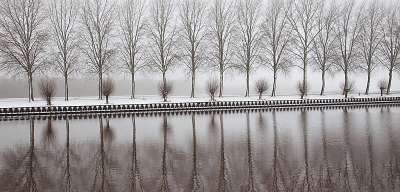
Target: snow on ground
<point>146,99</point>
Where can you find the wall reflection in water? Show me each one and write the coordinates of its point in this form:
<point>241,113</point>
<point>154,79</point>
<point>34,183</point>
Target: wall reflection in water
<point>317,150</point>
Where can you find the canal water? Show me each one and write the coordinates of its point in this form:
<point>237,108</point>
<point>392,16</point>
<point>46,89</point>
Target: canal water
<point>338,149</point>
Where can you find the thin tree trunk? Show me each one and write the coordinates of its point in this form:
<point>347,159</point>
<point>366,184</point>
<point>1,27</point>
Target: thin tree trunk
<point>305,75</point>
<point>193,83</point>
<point>346,84</point>
<point>66,88</point>
<point>260,96</point>
<point>390,81</point>
<point>221,83</point>
<point>164,78</point>
<point>100,86</point>
<point>30,81</point>
<point>273,94</point>
<point>133,85</point>
<point>247,84</point>
<point>368,83</point>
<point>323,83</point>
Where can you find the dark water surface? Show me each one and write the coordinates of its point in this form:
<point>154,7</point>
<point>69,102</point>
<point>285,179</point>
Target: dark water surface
<point>294,150</point>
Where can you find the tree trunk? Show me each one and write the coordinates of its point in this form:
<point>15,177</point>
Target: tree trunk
<point>260,96</point>
<point>247,83</point>
<point>382,92</point>
<point>221,83</point>
<point>346,83</point>
<point>66,88</point>
<point>323,83</point>
<point>133,85</point>
<point>106,99</point>
<point>193,83</point>
<point>30,84</point>
<point>305,74</point>
<point>273,94</point>
<point>100,86</point>
<point>368,83</point>
<point>390,81</point>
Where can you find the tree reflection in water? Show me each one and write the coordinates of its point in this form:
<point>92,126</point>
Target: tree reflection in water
<point>135,173</point>
<point>66,163</point>
<point>103,163</point>
<point>49,134</point>
<point>223,182</point>
<point>250,186</point>
<point>306,182</point>
<point>224,154</point>
<point>23,171</point>
<point>195,184</point>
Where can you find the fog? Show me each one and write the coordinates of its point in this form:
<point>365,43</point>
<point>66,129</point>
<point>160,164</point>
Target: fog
<point>234,84</point>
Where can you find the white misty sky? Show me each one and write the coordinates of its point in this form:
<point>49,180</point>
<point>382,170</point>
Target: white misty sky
<point>234,83</point>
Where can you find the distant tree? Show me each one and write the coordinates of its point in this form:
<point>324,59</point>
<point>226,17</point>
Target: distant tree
<point>347,87</point>
<point>193,22</point>
<point>23,38</point>
<point>304,21</point>
<point>222,26</point>
<point>390,46</point>
<point>371,36</point>
<point>165,89</point>
<point>278,36</point>
<point>212,87</point>
<point>47,89</point>
<point>98,22</point>
<point>248,50</point>
<point>348,34</point>
<point>261,87</point>
<point>133,25</point>
<point>382,85</point>
<point>163,34</point>
<point>302,89</point>
<point>63,17</point>
<point>324,46</point>
<point>108,88</point>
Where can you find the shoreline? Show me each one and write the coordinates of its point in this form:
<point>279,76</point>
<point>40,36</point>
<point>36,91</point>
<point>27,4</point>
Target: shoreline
<point>194,106</point>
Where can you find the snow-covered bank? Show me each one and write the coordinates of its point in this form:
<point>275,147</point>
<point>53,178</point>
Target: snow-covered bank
<point>151,99</point>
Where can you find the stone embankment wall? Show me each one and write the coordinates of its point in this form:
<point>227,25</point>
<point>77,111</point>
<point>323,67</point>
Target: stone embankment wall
<point>194,106</point>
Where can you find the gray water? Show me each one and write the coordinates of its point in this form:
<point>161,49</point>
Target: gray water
<point>343,149</point>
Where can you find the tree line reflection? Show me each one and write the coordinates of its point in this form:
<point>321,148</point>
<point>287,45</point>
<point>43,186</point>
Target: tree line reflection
<point>262,157</point>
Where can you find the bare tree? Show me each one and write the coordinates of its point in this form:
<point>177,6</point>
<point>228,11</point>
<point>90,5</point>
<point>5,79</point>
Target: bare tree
<point>98,19</point>
<point>382,85</point>
<point>261,87</point>
<point>193,18</point>
<point>304,21</point>
<point>348,32</point>
<point>212,87</point>
<point>390,46</point>
<point>165,89</point>
<point>47,89</point>
<point>63,17</point>
<point>302,89</point>
<point>133,25</point>
<point>277,38</point>
<point>371,36</point>
<point>324,45</point>
<point>107,88</point>
<point>347,87</point>
<point>249,38</point>
<point>222,17</point>
<point>22,38</point>
<point>162,32</point>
